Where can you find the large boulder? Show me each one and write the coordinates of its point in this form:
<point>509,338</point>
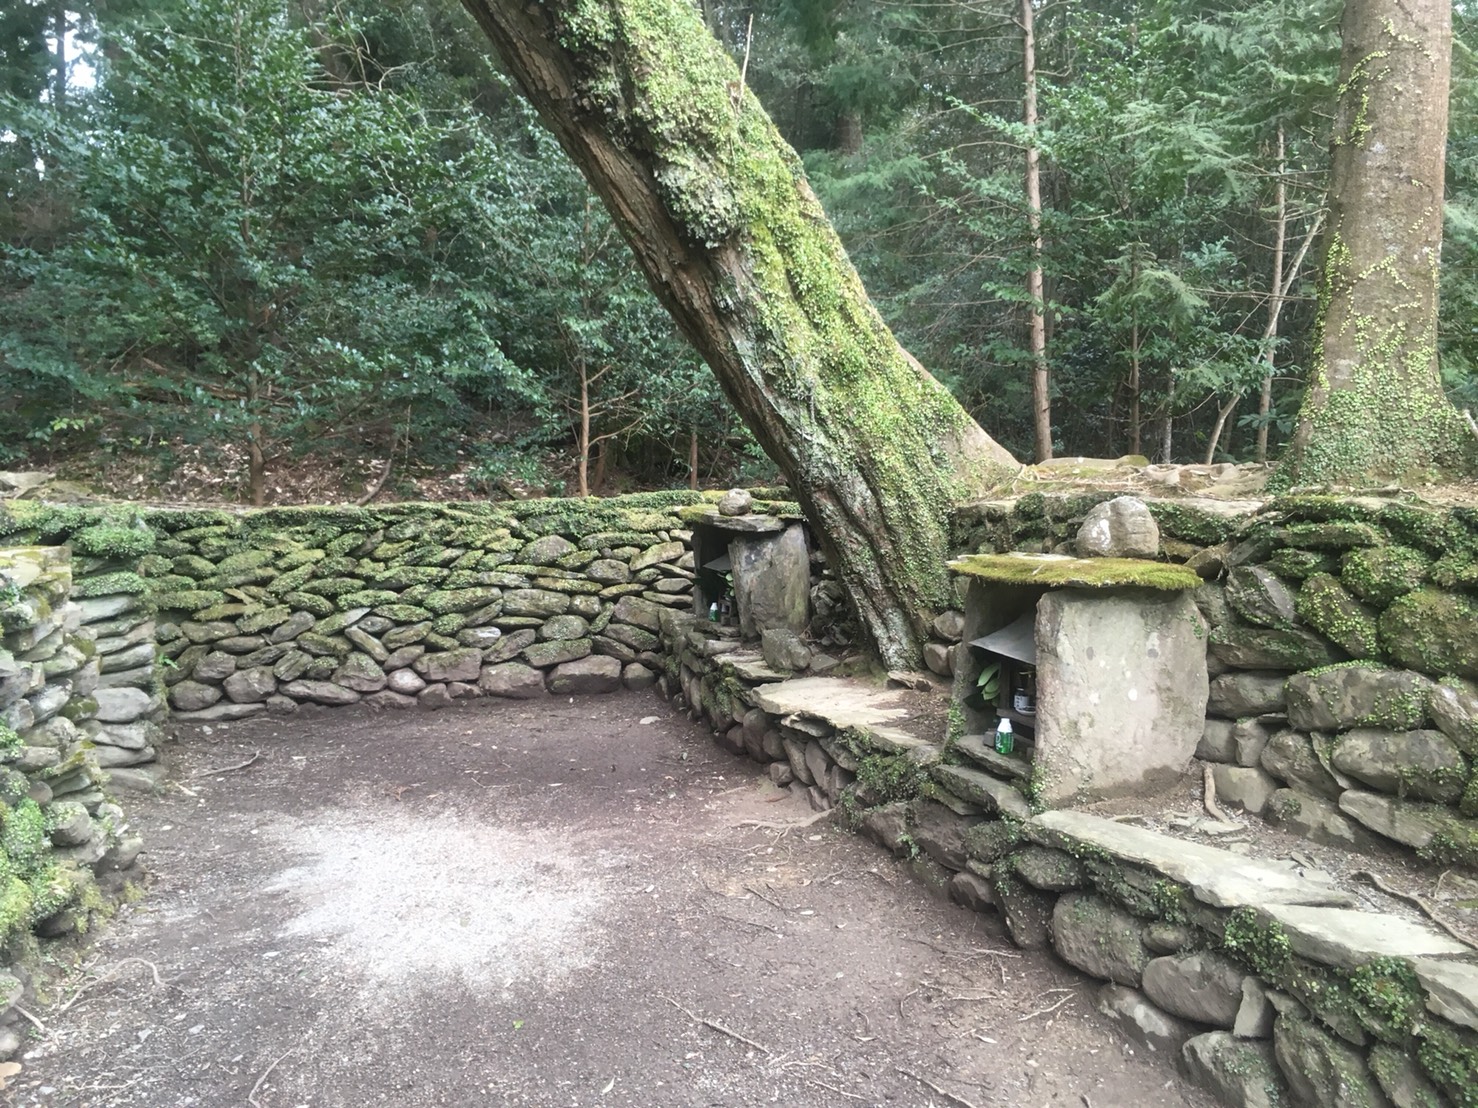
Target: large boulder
<point>256,684</point>
<point>1317,819</point>
<point>512,680</point>
<point>1407,821</point>
<point>1421,764</point>
<point>463,664</point>
<point>1290,756</point>
<point>1238,694</point>
<point>1432,631</point>
<point>1141,1022</point>
<point>191,696</point>
<point>320,692</point>
<point>1454,709</point>
<point>1099,938</point>
<point>1244,647</point>
<point>1201,986</point>
<point>594,674</point>
<point>1242,1073</point>
<point>1260,597</point>
<point>784,650</point>
<point>1119,528</point>
<point>1327,607</point>
<point>361,673</point>
<point>1321,1070</point>
<point>542,603</point>
<point>1380,574</point>
<point>1358,695</point>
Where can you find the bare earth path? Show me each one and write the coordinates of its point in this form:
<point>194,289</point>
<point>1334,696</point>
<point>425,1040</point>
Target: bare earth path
<point>516,904</point>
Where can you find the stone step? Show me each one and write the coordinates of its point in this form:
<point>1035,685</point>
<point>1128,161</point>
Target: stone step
<point>981,750</point>
<point>1216,877</point>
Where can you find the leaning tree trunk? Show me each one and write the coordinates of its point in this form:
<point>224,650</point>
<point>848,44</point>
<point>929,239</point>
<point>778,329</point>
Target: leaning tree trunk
<point>1374,407</point>
<point>733,241</point>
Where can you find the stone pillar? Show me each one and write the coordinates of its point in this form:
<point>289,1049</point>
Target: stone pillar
<point>772,579</point>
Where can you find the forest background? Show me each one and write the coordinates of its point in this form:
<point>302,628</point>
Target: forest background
<point>264,248</point>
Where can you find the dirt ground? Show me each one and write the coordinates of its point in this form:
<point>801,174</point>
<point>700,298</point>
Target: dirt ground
<point>552,904</point>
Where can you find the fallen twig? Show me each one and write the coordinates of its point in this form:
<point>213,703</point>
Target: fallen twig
<point>1208,798</point>
<point>770,900</point>
<point>714,1025</point>
<point>834,1089</point>
<point>32,1020</point>
<point>961,1101</point>
<point>751,923</point>
<point>1047,1010</point>
<point>792,825</point>
<point>108,975</point>
<point>251,1097</point>
<point>1420,902</point>
<point>215,770</point>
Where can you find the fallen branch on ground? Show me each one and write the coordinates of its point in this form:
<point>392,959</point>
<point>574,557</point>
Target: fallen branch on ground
<point>1046,1011</point>
<point>1421,903</point>
<point>108,975</point>
<point>714,1025</point>
<point>1208,798</point>
<point>215,770</point>
<point>961,1101</point>
<point>793,825</point>
<point>251,1097</point>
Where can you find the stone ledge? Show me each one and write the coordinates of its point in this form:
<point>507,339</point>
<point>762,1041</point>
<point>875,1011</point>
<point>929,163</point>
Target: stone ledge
<point>1215,877</point>
<point>1059,571</point>
<point>1348,938</point>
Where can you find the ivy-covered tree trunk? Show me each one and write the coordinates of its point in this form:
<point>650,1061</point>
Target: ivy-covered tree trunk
<point>731,238</point>
<point>1375,407</point>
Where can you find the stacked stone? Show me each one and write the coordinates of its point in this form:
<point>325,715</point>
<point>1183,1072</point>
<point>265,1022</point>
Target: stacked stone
<point>706,666</point>
<point>423,611</point>
<point>1341,703</point>
<point>65,846</point>
<point>1255,977</point>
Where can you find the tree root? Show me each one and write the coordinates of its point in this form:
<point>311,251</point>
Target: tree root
<point>1421,902</point>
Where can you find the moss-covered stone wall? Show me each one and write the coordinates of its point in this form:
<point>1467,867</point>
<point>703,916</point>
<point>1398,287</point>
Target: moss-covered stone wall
<point>1343,649</point>
<point>66,854</point>
<point>264,610</point>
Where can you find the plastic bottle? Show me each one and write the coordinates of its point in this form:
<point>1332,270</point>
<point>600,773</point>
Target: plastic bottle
<point>713,612</point>
<point>1005,740</point>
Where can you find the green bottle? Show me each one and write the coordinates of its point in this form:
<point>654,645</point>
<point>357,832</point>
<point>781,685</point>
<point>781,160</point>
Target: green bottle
<point>1005,740</point>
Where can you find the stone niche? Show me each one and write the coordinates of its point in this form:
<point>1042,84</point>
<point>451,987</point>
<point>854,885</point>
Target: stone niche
<point>1119,652</point>
<point>768,560</point>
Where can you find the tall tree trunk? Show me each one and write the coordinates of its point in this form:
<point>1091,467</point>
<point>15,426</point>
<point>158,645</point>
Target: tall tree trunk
<point>1374,407</point>
<point>59,57</point>
<point>1275,303</point>
<point>582,432</point>
<point>693,459</point>
<point>731,238</point>
<point>1134,420</point>
<point>1041,395</point>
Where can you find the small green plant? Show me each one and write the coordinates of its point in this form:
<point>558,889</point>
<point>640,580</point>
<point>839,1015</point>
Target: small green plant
<point>988,684</point>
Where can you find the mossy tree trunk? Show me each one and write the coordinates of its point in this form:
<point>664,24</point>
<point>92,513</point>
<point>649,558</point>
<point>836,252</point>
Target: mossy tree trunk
<point>1375,409</point>
<point>731,238</point>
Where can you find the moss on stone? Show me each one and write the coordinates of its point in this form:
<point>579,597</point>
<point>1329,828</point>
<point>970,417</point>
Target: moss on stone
<point>1326,606</point>
<point>188,600</point>
<point>310,603</point>
<point>1431,631</point>
<point>1380,574</point>
<point>1052,572</point>
<point>110,584</point>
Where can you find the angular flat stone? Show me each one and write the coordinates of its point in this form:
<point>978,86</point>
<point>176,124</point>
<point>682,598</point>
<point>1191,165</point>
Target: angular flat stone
<point>320,692</point>
<point>1241,1073</point>
<point>753,669</point>
<point>1140,1021</point>
<point>983,753</point>
<point>1321,1070</point>
<point>594,674</point>
<point>1216,877</point>
<point>1235,695</point>
<point>1099,938</point>
<point>1347,939</point>
<point>219,713</point>
<point>991,793</point>
<point>1401,820</point>
<point>123,705</point>
<point>1452,989</point>
<point>1201,986</point>
<point>840,702</point>
<point>1425,765</point>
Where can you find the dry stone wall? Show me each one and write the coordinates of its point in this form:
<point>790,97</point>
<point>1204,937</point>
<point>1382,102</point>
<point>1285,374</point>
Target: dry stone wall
<point>1343,650</point>
<point>66,742</point>
<point>409,605</point>
<point>1261,980</point>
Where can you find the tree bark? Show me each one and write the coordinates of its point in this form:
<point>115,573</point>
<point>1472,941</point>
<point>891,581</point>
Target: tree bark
<point>1374,409</point>
<point>1041,393</point>
<point>731,238</point>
